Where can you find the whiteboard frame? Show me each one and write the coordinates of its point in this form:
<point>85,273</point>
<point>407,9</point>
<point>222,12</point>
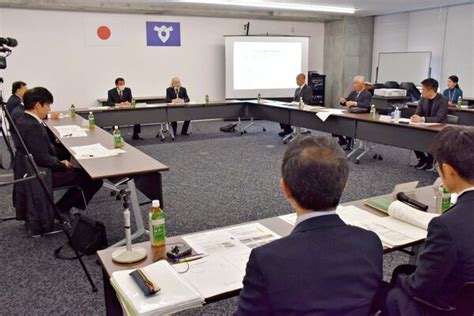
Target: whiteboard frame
<point>416,83</point>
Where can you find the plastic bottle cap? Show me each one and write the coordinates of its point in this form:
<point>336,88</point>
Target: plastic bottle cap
<point>90,112</point>
<point>115,127</point>
<point>155,203</point>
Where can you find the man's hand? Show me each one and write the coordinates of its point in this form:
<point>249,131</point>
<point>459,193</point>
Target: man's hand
<point>416,119</point>
<point>342,100</point>
<point>351,103</point>
<point>177,101</point>
<point>54,115</point>
<point>68,165</point>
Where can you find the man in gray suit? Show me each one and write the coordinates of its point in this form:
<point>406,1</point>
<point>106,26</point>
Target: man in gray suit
<point>432,108</point>
<point>303,92</point>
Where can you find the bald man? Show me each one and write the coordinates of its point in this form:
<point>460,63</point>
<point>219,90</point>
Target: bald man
<point>359,97</point>
<point>303,91</point>
<point>178,95</point>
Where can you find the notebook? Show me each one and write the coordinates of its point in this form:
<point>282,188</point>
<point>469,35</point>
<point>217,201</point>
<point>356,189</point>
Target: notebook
<point>176,293</point>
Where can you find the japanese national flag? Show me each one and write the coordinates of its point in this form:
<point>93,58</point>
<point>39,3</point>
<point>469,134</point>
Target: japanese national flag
<point>104,31</point>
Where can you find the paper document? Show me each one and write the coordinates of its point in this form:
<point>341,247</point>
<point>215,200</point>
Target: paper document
<point>228,252</point>
<point>176,293</point>
<point>323,116</point>
<point>94,151</point>
<point>403,226</point>
<point>410,215</point>
<point>351,215</point>
<point>98,107</point>
<point>69,131</point>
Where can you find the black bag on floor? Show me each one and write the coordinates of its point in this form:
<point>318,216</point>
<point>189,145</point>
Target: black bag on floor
<point>228,128</point>
<point>87,235</point>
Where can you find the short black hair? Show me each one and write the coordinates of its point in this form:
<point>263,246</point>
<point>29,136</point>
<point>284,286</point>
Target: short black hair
<point>454,145</point>
<point>35,95</point>
<point>431,84</point>
<point>118,80</point>
<point>315,170</point>
<point>17,85</point>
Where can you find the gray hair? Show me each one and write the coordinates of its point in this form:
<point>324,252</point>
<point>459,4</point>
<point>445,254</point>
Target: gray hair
<point>359,79</point>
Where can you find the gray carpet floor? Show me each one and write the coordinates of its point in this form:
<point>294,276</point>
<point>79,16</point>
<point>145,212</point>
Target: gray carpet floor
<point>215,179</point>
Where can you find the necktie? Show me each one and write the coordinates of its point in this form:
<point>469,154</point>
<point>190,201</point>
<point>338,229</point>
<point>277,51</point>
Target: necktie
<point>120,94</point>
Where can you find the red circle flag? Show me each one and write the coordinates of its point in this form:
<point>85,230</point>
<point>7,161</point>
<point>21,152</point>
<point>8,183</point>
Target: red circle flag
<point>103,32</point>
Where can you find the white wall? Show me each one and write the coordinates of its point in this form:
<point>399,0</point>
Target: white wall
<point>447,32</point>
<point>54,51</point>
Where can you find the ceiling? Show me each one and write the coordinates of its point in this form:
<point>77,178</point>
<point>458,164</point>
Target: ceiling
<point>222,8</point>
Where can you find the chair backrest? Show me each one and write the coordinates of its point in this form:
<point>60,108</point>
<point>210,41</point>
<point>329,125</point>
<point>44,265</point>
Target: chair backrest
<point>391,85</point>
<point>465,300</point>
<point>378,86</point>
<point>452,119</point>
<point>412,90</point>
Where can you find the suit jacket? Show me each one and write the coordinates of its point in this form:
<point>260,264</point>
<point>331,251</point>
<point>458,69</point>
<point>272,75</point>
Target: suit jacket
<point>31,202</point>
<point>363,99</point>
<point>447,261</point>
<point>113,96</point>
<point>39,144</point>
<point>171,94</point>
<point>304,92</point>
<point>324,267</point>
<point>15,107</point>
<point>435,110</point>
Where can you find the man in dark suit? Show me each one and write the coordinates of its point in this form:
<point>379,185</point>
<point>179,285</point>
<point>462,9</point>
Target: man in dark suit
<point>324,267</point>
<point>359,97</point>
<point>303,92</point>
<point>177,95</point>
<point>447,261</point>
<point>34,133</point>
<point>15,102</point>
<point>432,108</point>
<point>121,96</point>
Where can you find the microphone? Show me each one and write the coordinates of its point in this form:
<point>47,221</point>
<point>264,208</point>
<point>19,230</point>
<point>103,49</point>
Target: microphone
<point>8,41</point>
<point>5,50</point>
<point>402,197</point>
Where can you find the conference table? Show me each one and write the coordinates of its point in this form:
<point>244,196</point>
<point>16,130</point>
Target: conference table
<point>465,114</point>
<point>133,167</point>
<point>361,126</point>
<point>145,99</point>
<point>425,195</point>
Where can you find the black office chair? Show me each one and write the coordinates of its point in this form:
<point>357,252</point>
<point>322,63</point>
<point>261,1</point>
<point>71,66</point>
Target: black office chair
<point>463,304</point>
<point>391,85</point>
<point>378,86</point>
<point>412,90</point>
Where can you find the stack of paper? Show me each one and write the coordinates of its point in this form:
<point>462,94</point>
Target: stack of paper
<point>176,293</point>
<point>68,131</point>
<point>228,251</point>
<point>94,151</point>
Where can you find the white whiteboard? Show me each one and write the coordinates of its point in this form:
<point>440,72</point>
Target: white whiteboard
<point>404,67</point>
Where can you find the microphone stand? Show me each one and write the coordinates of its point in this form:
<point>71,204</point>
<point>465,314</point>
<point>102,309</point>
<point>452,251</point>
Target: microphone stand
<point>38,174</point>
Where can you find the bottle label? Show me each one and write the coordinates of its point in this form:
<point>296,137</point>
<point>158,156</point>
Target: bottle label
<point>118,140</point>
<point>157,229</point>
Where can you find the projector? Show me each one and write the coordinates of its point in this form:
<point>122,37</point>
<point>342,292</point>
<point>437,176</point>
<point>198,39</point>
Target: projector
<point>390,92</point>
